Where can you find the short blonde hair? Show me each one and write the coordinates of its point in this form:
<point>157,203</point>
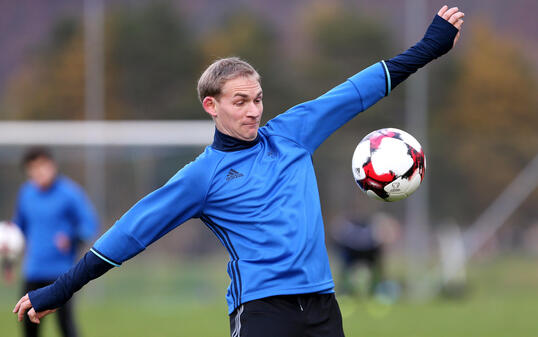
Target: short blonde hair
<point>221,71</point>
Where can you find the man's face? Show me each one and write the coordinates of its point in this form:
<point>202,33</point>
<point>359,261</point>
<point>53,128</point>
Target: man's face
<point>41,171</point>
<point>238,110</point>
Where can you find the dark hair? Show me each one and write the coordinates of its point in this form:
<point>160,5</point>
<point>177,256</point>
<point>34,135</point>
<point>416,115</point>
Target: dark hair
<point>34,153</point>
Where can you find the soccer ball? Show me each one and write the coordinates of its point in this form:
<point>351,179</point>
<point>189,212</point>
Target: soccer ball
<point>11,241</point>
<point>388,164</point>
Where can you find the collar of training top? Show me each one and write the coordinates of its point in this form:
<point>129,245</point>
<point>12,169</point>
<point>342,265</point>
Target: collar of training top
<point>223,142</point>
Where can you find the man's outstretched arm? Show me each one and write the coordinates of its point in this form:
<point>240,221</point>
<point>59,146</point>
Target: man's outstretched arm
<point>180,199</point>
<point>310,123</point>
<point>44,301</point>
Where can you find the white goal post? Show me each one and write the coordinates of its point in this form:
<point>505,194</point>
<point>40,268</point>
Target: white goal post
<point>107,133</point>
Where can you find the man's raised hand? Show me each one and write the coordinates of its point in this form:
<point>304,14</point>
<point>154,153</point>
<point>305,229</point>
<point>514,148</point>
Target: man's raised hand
<point>454,16</point>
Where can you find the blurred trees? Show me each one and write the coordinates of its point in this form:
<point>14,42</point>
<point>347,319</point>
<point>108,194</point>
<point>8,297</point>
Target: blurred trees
<point>337,43</point>
<point>483,109</point>
<point>154,57</point>
<point>248,36</point>
<point>486,131</point>
<point>51,84</point>
<point>154,62</point>
<point>151,62</point>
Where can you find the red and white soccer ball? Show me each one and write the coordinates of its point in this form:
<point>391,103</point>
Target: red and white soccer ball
<point>11,241</point>
<point>389,164</point>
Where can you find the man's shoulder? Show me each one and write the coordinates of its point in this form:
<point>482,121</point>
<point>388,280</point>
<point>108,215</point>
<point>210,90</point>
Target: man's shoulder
<point>203,165</point>
<point>273,131</point>
<point>209,156</point>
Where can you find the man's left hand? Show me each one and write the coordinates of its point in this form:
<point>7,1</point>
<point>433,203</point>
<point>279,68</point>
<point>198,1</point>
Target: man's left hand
<point>23,305</point>
<point>454,16</point>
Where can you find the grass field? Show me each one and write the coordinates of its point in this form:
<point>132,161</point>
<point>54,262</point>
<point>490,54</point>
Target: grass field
<point>187,299</point>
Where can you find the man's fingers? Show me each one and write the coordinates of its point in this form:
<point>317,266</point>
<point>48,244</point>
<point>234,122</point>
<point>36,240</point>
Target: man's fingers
<point>36,316</point>
<point>458,24</point>
<point>33,316</point>
<point>446,15</point>
<point>18,305</point>
<point>442,10</point>
<point>457,16</point>
<point>22,309</point>
<point>42,314</point>
<point>24,305</point>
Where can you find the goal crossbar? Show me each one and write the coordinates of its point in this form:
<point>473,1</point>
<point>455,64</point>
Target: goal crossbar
<point>107,133</point>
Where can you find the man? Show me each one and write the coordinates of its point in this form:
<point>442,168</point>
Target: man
<point>256,190</point>
<point>55,216</point>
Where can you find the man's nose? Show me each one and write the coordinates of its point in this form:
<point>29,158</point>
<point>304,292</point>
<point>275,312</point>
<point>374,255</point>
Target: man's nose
<point>253,110</point>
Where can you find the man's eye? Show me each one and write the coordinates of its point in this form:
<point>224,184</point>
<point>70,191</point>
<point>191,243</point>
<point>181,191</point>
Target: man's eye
<point>239,102</point>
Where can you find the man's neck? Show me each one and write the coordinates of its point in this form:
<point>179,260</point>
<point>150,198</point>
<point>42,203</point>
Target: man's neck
<point>227,143</point>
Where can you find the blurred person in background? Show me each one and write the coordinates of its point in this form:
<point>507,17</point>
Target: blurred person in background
<point>361,241</point>
<point>358,245</point>
<point>56,218</point>
<point>256,189</point>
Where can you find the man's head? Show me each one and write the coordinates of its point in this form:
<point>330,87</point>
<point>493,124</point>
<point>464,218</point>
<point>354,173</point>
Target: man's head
<point>230,91</point>
<point>39,166</point>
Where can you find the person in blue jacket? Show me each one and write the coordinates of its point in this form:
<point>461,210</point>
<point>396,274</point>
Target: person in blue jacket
<point>55,216</point>
<point>255,188</point>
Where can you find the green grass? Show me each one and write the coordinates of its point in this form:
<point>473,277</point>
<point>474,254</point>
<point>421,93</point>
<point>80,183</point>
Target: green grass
<point>144,298</point>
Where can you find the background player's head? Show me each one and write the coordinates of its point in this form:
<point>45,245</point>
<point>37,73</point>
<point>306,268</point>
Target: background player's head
<point>230,91</point>
<point>40,166</point>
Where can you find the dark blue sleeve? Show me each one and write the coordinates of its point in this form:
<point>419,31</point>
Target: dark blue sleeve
<point>55,295</point>
<point>437,41</point>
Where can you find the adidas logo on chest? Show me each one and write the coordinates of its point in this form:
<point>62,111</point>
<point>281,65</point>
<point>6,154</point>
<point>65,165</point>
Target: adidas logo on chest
<point>233,174</point>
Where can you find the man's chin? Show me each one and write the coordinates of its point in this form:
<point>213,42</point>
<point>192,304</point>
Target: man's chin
<point>252,137</point>
<point>251,134</point>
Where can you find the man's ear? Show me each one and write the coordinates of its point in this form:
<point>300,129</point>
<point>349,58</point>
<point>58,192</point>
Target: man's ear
<point>209,104</point>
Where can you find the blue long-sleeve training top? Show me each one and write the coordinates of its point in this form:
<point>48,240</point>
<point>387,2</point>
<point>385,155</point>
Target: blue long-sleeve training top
<point>262,202</point>
<point>43,215</point>
<point>260,198</point>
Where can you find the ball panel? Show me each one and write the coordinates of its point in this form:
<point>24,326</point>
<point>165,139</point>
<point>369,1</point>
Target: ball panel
<point>413,184</point>
<point>374,196</point>
<point>407,138</point>
<point>391,156</point>
<point>360,157</point>
<point>375,182</point>
<point>396,190</point>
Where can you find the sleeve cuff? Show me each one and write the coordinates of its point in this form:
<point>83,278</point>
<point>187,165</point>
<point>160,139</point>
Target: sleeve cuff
<point>387,78</point>
<point>104,258</point>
